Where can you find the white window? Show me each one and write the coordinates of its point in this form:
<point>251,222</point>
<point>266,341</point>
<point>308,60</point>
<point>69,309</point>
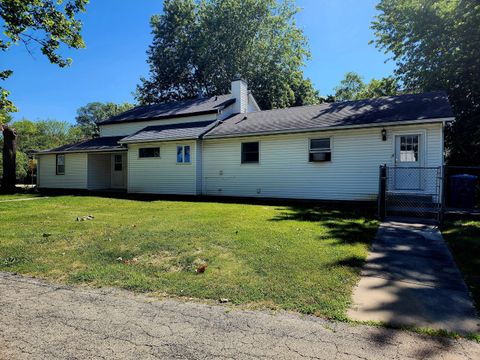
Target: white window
<point>320,150</point>
<point>183,154</point>
<point>60,164</point>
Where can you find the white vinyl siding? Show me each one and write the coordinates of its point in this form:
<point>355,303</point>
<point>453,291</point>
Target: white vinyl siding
<point>99,173</point>
<point>162,175</point>
<point>130,128</point>
<point>199,165</point>
<point>75,176</point>
<point>284,170</point>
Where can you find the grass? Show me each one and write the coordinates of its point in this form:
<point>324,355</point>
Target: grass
<point>22,195</point>
<point>463,237</point>
<point>296,258</point>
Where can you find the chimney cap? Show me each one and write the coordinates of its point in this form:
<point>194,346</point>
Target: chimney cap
<point>238,77</point>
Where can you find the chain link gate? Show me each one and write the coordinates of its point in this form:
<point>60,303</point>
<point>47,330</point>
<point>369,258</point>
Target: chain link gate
<point>411,192</point>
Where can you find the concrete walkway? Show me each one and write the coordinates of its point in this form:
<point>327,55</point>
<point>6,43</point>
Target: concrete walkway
<point>410,278</point>
<point>43,321</point>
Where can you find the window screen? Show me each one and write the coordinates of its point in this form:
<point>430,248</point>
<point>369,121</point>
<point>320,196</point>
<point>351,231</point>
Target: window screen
<point>250,152</point>
<point>320,150</point>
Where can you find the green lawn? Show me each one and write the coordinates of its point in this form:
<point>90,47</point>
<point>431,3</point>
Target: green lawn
<point>18,196</point>
<point>463,238</point>
<point>298,258</point>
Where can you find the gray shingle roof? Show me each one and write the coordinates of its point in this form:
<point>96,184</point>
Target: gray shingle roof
<point>107,143</point>
<point>392,109</point>
<point>174,109</point>
<point>192,130</point>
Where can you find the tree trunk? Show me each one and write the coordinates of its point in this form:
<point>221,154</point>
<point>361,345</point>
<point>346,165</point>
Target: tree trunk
<point>9,159</point>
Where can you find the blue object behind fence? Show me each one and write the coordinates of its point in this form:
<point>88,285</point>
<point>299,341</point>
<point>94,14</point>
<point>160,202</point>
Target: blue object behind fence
<point>462,191</point>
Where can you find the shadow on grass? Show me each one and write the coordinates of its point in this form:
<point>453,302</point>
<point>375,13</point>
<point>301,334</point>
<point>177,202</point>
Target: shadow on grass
<point>347,223</point>
<point>336,207</point>
<point>463,239</point>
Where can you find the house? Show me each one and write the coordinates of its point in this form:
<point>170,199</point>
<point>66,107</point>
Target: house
<point>225,145</point>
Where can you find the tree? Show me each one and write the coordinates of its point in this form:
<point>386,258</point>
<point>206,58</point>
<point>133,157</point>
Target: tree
<point>352,87</point>
<point>90,115</point>
<point>39,135</point>
<point>9,158</point>
<point>200,46</point>
<point>46,23</point>
<point>349,87</point>
<point>435,45</point>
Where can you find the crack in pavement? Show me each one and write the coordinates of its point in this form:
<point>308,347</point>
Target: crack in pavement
<point>42,321</point>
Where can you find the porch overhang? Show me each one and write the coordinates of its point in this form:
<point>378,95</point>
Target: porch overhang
<point>101,144</point>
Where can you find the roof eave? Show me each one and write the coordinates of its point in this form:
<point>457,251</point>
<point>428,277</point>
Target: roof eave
<point>336,128</point>
<point>78,151</point>
<point>171,116</point>
<point>158,140</point>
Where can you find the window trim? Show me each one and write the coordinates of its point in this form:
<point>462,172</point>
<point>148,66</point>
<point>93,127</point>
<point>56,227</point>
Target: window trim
<point>56,164</point>
<point>241,153</point>
<point>330,150</point>
<point>149,157</point>
<point>183,162</point>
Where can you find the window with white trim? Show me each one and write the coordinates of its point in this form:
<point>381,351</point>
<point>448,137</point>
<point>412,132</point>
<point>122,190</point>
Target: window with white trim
<point>183,154</point>
<point>60,164</point>
<point>320,150</point>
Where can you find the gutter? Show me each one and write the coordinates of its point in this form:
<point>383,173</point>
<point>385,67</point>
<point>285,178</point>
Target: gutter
<point>78,151</point>
<point>332,128</point>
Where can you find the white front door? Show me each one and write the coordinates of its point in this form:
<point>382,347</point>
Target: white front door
<point>408,160</point>
<point>119,171</point>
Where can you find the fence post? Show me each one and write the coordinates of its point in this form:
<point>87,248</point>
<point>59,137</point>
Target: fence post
<point>443,184</point>
<point>382,188</point>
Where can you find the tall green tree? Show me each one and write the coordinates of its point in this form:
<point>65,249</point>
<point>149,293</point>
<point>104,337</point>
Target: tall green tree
<point>435,45</point>
<point>48,24</point>
<point>352,87</point>
<point>349,87</point>
<point>90,115</point>
<point>200,46</point>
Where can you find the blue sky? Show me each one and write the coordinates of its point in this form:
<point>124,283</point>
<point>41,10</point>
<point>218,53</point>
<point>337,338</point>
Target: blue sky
<point>117,34</point>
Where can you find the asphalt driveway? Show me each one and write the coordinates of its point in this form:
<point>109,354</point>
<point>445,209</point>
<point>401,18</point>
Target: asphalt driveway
<point>43,321</point>
<point>410,278</point>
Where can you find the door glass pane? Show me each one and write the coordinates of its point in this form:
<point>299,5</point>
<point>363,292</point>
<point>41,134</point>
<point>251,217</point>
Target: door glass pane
<point>118,163</point>
<point>409,148</point>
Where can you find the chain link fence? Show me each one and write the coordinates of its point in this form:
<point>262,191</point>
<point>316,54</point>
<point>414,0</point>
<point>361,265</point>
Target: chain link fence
<point>411,192</point>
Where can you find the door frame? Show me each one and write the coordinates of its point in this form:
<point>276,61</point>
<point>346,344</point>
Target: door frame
<point>422,156</point>
<point>423,144</point>
<point>124,169</point>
